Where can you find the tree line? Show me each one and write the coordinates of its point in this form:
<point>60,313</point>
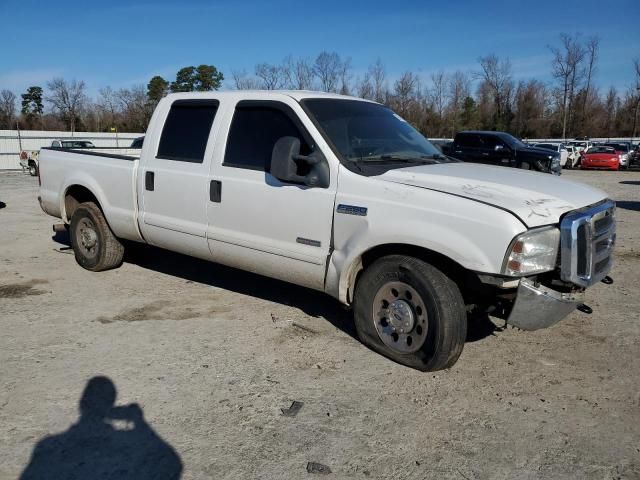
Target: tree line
<point>571,105</point>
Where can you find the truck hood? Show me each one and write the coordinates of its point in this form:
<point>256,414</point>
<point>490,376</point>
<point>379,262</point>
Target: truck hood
<point>536,198</point>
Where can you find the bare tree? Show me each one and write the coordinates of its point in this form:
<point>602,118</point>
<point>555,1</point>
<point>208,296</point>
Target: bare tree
<point>566,70</point>
<point>345,76</point>
<point>67,98</point>
<point>271,77</point>
<point>243,82</point>
<point>458,90</point>
<point>404,90</point>
<point>298,73</point>
<point>364,88</point>
<point>108,106</point>
<point>592,48</point>
<point>378,76</point>
<point>636,65</point>
<point>136,107</point>
<point>495,74</point>
<point>7,109</point>
<point>328,68</point>
<point>438,96</point>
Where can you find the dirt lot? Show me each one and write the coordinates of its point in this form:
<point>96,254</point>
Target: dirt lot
<point>212,355</point>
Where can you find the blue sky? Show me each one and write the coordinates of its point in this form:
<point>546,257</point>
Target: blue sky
<point>121,43</point>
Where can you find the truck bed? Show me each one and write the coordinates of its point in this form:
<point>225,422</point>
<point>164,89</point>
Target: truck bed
<point>63,169</point>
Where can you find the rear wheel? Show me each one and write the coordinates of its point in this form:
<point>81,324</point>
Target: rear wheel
<point>410,312</point>
<point>95,246</point>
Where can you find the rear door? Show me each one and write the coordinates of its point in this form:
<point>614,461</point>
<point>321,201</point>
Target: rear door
<point>467,147</point>
<point>257,222</point>
<point>173,177</point>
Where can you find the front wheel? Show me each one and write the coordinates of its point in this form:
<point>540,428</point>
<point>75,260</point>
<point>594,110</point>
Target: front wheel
<point>411,312</point>
<point>33,169</point>
<point>95,246</point>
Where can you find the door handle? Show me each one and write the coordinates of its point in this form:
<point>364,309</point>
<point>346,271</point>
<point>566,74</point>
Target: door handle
<point>149,178</point>
<point>215,191</point>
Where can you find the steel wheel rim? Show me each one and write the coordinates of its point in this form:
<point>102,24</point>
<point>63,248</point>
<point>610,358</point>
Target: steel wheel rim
<point>400,317</point>
<point>87,237</point>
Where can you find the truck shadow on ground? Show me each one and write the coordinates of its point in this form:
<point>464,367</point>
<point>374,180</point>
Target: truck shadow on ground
<point>313,303</point>
<point>628,205</point>
<point>97,447</point>
<point>630,182</point>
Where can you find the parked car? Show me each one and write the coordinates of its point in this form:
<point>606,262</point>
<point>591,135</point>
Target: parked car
<point>581,145</point>
<point>137,142</point>
<point>573,156</point>
<point>341,195</point>
<point>624,151</point>
<point>29,158</point>
<point>499,148</point>
<point>555,147</point>
<point>443,145</point>
<point>600,158</point>
<point>72,143</point>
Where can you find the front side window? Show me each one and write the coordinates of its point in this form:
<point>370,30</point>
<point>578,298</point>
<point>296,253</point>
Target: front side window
<point>491,141</point>
<point>255,129</point>
<point>186,130</point>
<point>364,133</point>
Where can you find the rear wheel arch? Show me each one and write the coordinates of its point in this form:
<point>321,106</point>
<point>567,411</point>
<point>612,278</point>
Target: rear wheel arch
<point>74,196</point>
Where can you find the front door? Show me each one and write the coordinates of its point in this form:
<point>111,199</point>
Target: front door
<point>257,222</point>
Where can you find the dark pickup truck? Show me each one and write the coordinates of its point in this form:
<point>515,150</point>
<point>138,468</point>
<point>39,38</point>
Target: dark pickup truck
<point>502,149</point>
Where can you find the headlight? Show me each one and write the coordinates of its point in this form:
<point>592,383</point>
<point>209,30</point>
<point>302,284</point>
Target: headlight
<point>535,251</point>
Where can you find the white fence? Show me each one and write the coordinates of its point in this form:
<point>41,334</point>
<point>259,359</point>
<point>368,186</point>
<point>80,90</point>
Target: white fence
<point>13,142</point>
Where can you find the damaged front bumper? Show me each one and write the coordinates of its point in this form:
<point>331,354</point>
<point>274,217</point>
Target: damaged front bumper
<point>537,306</point>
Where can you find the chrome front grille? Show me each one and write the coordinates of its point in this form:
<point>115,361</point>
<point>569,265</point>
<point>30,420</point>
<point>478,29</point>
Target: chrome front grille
<point>587,237</point>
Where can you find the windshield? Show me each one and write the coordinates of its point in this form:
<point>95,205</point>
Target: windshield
<point>512,141</point>
<point>601,149</point>
<point>364,133</point>
<point>76,144</point>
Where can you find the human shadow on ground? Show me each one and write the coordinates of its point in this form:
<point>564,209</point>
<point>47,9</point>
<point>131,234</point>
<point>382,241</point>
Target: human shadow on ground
<point>628,205</point>
<point>95,447</point>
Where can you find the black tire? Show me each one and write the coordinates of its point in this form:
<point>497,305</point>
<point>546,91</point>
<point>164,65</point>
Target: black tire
<point>33,169</point>
<point>95,246</point>
<point>445,322</point>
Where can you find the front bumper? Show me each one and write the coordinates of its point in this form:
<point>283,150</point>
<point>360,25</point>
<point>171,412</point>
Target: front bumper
<point>537,306</point>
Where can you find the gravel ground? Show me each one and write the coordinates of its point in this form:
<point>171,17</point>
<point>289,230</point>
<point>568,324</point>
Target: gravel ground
<point>205,357</point>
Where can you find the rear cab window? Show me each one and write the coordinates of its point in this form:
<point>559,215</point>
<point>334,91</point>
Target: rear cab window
<point>468,140</point>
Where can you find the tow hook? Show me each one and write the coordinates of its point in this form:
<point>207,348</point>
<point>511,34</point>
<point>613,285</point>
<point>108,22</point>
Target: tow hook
<point>585,309</point>
<point>607,280</point>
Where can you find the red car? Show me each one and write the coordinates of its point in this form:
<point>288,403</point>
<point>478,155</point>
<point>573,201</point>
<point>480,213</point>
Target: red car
<point>600,158</point>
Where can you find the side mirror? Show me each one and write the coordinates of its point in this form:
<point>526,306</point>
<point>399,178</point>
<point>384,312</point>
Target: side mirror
<point>499,148</point>
<point>287,164</point>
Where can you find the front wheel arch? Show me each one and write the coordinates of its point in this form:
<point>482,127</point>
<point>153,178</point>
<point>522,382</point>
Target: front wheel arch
<point>466,280</point>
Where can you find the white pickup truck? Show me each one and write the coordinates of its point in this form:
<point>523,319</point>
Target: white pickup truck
<point>341,195</point>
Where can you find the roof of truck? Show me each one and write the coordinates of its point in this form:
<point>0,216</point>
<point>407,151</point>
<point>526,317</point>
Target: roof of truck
<point>265,94</point>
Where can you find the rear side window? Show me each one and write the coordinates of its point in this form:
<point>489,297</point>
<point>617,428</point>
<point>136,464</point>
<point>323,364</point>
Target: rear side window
<point>469,140</point>
<point>254,131</point>
<point>186,130</point>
